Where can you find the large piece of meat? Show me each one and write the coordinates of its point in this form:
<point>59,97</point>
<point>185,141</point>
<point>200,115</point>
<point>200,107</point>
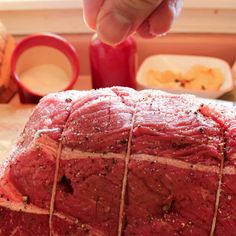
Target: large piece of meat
<point>120,162</point>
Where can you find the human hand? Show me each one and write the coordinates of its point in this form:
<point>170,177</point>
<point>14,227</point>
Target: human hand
<point>115,20</point>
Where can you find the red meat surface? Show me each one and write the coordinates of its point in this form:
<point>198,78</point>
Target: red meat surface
<point>116,161</point>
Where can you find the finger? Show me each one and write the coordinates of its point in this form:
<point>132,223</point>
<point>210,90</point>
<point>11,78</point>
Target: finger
<point>144,30</point>
<point>161,20</point>
<point>118,19</point>
<point>91,10</point>
<point>164,17</point>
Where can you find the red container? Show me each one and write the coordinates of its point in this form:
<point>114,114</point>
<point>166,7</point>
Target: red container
<point>50,41</point>
<point>113,66</point>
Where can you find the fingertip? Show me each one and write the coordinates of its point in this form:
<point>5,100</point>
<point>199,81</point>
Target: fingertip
<point>91,10</point>
<point>122,18</point>
<point>162,20</point>
<point>113,28</point>
<point>144,30</point>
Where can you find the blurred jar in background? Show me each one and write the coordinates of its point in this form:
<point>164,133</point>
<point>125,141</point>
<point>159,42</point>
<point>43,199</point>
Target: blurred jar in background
<point>113,66</point>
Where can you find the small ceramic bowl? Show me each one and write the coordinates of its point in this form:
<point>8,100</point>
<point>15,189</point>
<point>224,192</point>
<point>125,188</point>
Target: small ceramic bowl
<point>181,64</point>
<point>43,63</point>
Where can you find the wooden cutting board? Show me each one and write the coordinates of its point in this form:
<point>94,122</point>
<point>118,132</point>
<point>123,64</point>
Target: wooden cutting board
<point>12,121</point>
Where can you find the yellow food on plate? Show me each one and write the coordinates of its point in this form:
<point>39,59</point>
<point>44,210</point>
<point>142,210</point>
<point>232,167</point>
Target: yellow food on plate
<point>198,77</point>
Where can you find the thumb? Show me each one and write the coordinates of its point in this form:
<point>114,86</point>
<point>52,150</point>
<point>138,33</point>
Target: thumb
<point>118,19</point>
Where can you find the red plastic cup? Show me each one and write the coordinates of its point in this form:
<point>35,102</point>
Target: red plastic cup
<point>28,46</point>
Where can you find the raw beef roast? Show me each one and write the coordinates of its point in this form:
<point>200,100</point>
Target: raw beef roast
<point>120,162</point>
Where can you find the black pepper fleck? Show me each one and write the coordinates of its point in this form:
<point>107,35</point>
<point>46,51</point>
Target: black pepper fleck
<point>201,130</point>
<point>68,100</point>
<point>123,141</point>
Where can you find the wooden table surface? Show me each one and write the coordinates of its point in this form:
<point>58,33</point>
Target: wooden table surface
<point>12,121</point>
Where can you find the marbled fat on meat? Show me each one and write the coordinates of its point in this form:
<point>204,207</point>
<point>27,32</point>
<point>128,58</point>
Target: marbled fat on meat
<point>116,161</point>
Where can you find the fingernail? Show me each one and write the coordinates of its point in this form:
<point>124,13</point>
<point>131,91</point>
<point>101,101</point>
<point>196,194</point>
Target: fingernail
<point>113,28</point>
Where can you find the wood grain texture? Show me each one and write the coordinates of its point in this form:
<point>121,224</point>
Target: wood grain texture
<point>12,121</point>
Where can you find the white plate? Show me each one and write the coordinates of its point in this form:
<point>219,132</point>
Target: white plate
<point>181,64</point>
